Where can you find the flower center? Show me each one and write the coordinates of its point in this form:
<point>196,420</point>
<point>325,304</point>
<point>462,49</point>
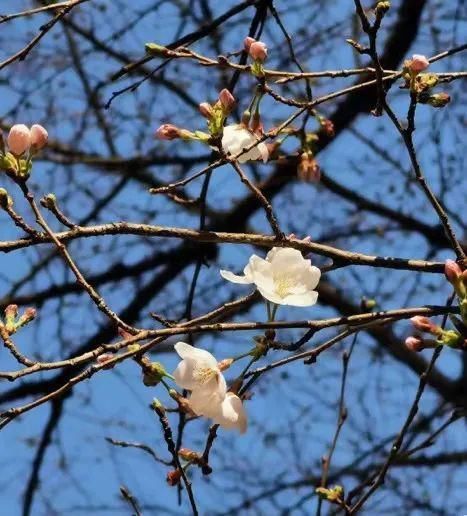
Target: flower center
<point>283,285</point>
<point>202,375</point>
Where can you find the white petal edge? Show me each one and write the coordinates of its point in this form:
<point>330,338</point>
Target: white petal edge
<point>234,278</point>
<point>188,352</point>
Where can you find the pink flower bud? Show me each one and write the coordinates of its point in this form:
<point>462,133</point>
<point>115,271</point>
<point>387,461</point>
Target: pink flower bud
<point>226,99</point>
<point>452,271</point>
<point>168,132</point>
<point>258,51</point>
<point>39,137</point>
<point>19,139</point>
<point>423,323</point>
<point>247,42</point>
<point>205,109</point>
<point>414,343</point>
<point>419,63</point>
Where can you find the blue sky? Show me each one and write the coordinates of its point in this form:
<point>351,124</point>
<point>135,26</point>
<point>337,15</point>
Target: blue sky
<point>81,469</point>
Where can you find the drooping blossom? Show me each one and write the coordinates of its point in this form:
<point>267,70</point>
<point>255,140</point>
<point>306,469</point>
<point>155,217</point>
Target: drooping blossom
<point>231,414</point>
<point>199,371</point>
<point>237,137</point>
<point>419,63</point>
<point>19,139</point>
<point>39,137</point>
<point>284,277</point>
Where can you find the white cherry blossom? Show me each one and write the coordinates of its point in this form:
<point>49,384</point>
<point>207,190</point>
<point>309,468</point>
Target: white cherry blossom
<point>237,137</point>
<point>199,372</point>
<point>231,414</point>
<point>284,277</point>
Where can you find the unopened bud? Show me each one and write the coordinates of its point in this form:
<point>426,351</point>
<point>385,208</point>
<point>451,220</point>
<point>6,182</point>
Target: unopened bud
<point>49,201</point>
<point>247,42</point>
<point>426,81</point>
<point>414,343</point>
<point>258,51</point>
<point>5,200</point>
<point>332,495</point>
<point>28,316</point>
<point>367,304</point>
<point>19,139</point>
<point>153,374</point>
<point>227,100</point>
<point>173,477</point>
<point>453,272</point>
<point>11,312</point>
<point>418,63</point>
<point>206,110</point>
<point>437,100</point>
<point>168,132</point>
<point>382,8</point>
<point>39,137</point>
<point>189,455</point>
<point>155,49</point>
<point>425,324</point>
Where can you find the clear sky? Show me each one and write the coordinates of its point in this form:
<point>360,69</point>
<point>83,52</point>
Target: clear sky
<point>293,409</point>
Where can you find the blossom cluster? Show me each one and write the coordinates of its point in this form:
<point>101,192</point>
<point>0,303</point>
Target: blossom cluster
<point>283,278</point>
<point>200,373</point>
<point>21,145</point>
<point>456,338</point>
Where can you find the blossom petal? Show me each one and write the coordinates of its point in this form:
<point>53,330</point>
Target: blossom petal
<point>306,299</point>
<point>271,295</point>
<point>234,278</point>
<point>207,403</point>
<point>183,375</point>
<point>232,415</point>
<point>312,277</point>
<point>200,356</point>
<point>236,138</point>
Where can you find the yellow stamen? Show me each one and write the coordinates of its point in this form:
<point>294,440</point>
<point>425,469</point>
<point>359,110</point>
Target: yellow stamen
<point>203,375</point>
